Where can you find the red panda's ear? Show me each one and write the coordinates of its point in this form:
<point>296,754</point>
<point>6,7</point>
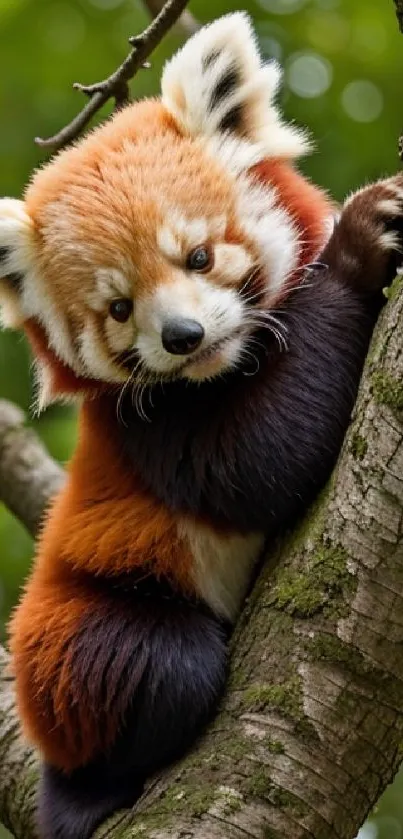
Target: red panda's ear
<point>16,243</point>
<point>217,88</point>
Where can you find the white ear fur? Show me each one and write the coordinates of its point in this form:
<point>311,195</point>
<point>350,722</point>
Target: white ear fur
<point>15,257</point>
<point>217,87</point>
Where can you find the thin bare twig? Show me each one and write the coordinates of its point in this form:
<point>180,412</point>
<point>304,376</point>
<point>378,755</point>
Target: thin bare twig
<point>399,12</point>
<point>187,22</point>
<point>116,85</point>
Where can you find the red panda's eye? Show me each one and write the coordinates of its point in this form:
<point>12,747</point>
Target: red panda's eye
<point>121,309</point>
<point>200,259</point>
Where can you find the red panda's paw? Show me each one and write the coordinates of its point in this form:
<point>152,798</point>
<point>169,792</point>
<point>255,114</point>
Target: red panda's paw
<point>366,247</point>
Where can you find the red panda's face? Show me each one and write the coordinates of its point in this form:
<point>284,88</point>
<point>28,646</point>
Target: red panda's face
<point>146,251</point>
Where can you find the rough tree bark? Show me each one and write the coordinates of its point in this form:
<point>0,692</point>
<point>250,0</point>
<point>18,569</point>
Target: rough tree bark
<point>311,729</point>
<point>28,475</point>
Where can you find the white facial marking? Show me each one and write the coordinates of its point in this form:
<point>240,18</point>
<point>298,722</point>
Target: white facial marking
<point>218,310</point>
<point>16,239</point>
<point>16,235</point>
<point>227,356</point>
<point>180,234</point>
<point>110,283</point>
<point>222,565</point>
<point>16,230</point>
<point>11,315</point>
<point>272,229</point>
<point>169,243</point>
<point>38,303</point>
<point>97,362</point>
<point>43,387</point>
<point>193,232</point>
<point>231,263</point>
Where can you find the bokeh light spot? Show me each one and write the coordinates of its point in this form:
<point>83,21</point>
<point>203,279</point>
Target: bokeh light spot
<point>281,7</point>
<point>362,100</point>
<point>368,831</point>
<point>271,48</point>
<point>308,74</point>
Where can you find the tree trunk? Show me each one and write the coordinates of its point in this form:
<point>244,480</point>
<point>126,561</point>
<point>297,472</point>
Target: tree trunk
<point>310,732</point>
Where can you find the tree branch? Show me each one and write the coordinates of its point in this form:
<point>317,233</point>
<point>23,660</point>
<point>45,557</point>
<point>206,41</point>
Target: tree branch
<point>399,12</point>
<point>116,85</point>
<point>18,764</point>
<point>310,732</point>
<point>29,477</point>
<point>187,22</point>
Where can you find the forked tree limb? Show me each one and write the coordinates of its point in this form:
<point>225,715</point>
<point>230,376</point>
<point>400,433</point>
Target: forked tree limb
<point>311,729</point>
<point>116,85</point>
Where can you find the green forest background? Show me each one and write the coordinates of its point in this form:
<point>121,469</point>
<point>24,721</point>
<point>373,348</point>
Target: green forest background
<point>343,78</point>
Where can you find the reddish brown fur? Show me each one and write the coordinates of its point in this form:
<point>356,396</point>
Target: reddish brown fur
<point>125,529</point>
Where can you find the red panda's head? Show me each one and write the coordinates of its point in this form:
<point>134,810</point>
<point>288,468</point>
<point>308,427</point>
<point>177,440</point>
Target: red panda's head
<point>146,249</point>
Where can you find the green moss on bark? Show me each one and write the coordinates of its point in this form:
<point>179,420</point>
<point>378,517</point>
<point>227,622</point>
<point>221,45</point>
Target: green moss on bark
<point>229,800</point>
<point>285,698</point>
<point>322,584</point>
<point>275,747</point>
<point>259,785</point>
<point>359,446</point>
<point>393,291</point>
<point>387,390</point>
<point>330,648</point>
<point>183,799</point>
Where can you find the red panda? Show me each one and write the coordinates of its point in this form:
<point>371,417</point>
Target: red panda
<point>176,273</point>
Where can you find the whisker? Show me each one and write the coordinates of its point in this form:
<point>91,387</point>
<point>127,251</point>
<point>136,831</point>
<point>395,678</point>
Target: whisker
<point>245,352</point>
<point>126,385</point>
<point>249,278</point>
<point>271,324</point>
<point>265,315</point>
<point>139,394</point>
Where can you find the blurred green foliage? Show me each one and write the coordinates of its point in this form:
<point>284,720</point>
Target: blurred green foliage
<point>343,78</point>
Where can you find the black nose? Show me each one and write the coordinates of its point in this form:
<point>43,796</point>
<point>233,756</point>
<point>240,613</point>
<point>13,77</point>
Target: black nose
<point>181,336</point>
